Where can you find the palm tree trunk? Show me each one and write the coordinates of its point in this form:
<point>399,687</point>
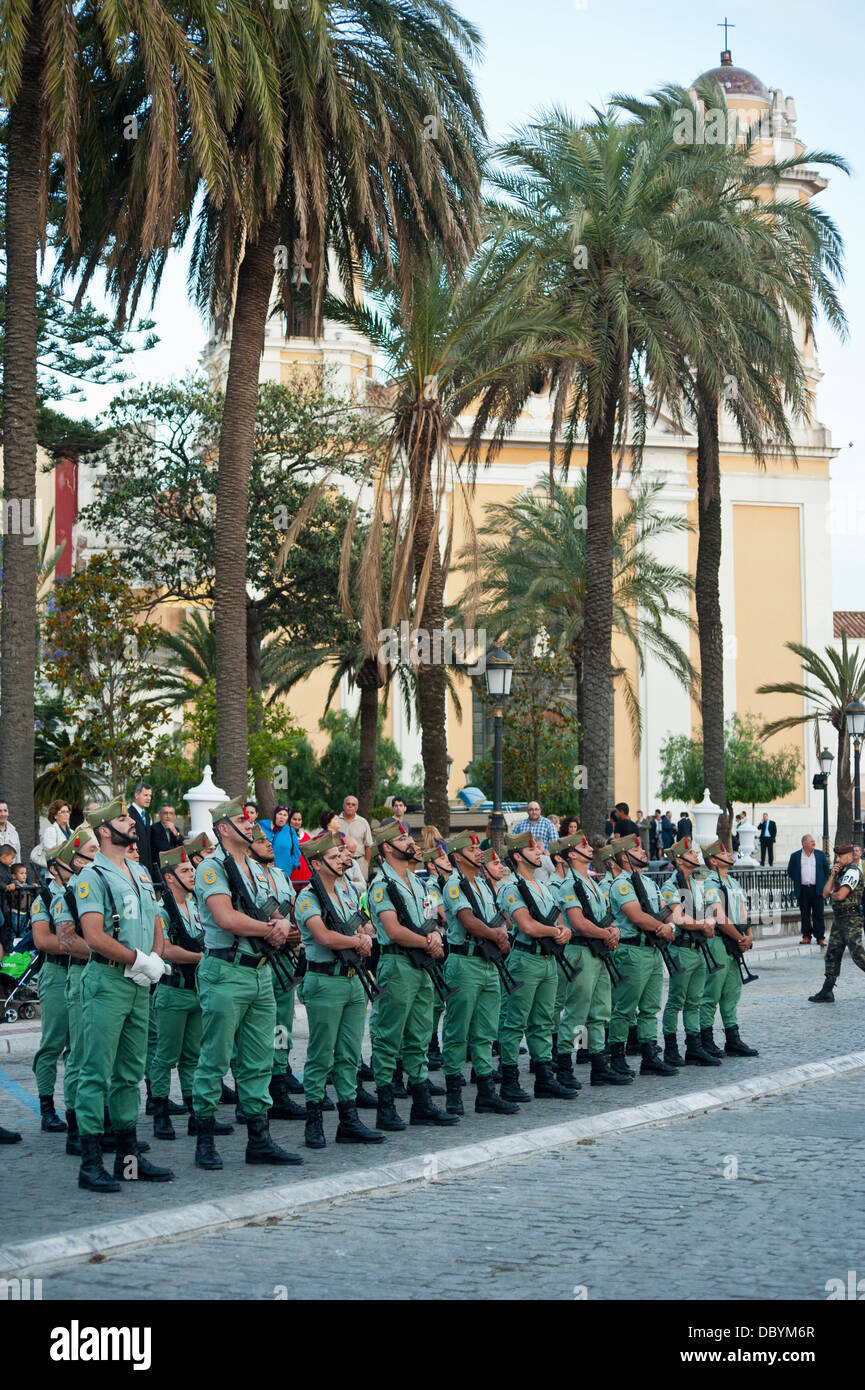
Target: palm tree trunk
<point>431,676</point>
<point>254,286</point>
<point>20,551</point>
<point>844,783</point>
<point>265,795</point>
<point>598,626</point>
<point>577,659</point>
<point>368,682</point>
<point>708,601</point>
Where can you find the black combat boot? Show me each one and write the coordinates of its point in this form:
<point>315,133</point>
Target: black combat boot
<point>633,1048</point>
<point>653,1063</point>
<point>734,1047</point>
<point>423,1112</point>
<point>150,1105</point>
<point>603,1074</point>
<point>434,1053</point>
<point>351,1129</point>
<point>434,1089</point>
<point>696,1053</point>
<point>130,1165</point>
<point>91,1175</point>
<point>313,1135</point>
<point>10,1136</point>
<point>708,1043</point>
<point>260,1148</point>
<point>826,994</point>
<point>192,1126</point>
<point>583,1056</point>
<point>546,1085</point>
<point>327,1103</point>
<point>106,1139</point>
<point>51,1121</point>
<point>565,1072</point>
<point>162,1126</point>
<point>205,1151</point>
<point>672,1055</point>
<point>228,1096</point>
<point>73,1138</point>
<point>510,1088</point>
<point>284,1108</point>
<point>364,1100</point>
<point>617,1060</point>
<point>387,1115</point>
<point>488,1103</point>
<point>399,1090</point>
<point>293,1085</point>
<point>365,1073</point>
<point>454,1102</point>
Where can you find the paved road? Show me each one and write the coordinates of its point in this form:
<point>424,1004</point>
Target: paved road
<point>775,1018</point>
<point>651,1215</point>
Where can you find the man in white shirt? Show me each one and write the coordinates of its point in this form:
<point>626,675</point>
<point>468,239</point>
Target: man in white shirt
<point>541,829</point>
<point>809,870</point>
<point>350,823</point>
<point>8,833</point>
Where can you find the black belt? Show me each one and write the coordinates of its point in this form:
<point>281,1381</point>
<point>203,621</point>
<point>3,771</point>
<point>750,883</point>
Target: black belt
<point>230,954</point>
<point>62,961</point>
<point>393,950</point>
<point>103,960</point>
<point>175,982</point>
<point>689,942</point>
<point>636,941</point>
<point>468,948</point>
<point>331,967</point>
<point>76,960</point>
<point>534,948</point>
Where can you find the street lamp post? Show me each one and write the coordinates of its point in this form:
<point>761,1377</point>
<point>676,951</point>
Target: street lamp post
<point>827,758</point>
<point>855,717</point>
<point>498,675</point>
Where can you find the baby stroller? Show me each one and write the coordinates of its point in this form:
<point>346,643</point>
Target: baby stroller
<point>18,976</point>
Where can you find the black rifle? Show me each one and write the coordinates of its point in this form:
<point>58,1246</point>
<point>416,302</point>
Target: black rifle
<point>548,946</point>
<point>594,943</point>
<point>730,946</point>
<point>243,901</point>
<point>179,935</point>
<point>643,900</point>
<point>486,949</point>
<point>712,966</point>
<point>416,954</point>
<point>345,927</point>
<point>69,898</point>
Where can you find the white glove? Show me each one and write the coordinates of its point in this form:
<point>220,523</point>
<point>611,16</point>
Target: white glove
<point>138,971</point>
<point>158,966</point>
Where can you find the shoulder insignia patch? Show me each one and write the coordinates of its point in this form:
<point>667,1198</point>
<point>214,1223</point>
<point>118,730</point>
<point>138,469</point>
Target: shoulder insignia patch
<point>454,891</point>
<point>510,899</point>
<point>83,890</point>
<point>377,895</point>
<point>623,889</point>
<point>571,899</point>
<point>304,904</point>
<point>209,876</point>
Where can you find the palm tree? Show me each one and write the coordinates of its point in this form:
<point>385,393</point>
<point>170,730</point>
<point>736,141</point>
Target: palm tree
<point>832,680</point>
<point>531,577</point>
<point>191,651</point>
<point>48,50</point>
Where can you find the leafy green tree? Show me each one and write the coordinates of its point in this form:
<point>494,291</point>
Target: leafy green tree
<point>340,762</point>
<point>67,769</point>
<point>752,773</point>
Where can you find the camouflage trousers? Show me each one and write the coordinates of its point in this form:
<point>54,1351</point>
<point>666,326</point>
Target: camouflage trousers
<point>844,933</point>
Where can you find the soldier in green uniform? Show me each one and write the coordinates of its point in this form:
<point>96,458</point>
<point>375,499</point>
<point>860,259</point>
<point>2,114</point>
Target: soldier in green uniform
<point>637,997</point>
<point>530,1010</point>
<point>723,988</point>
<point>235,987</point>
<point>122,925</point>
<point>76,853</point>
<point>587,1001</point>
<point>332,994</point>
<point>404,1014</point>
<point>846,895</point>
<point>471,1018</point>
<point>176,1000</point>
<point>282,889</point>
<point>51,988</point>
<point>692,925</point>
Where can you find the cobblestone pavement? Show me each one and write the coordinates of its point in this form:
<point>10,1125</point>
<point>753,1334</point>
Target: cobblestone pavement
<point>657,1214</point>
<point>774,1017</point>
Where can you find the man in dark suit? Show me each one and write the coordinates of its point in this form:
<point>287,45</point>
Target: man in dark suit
<point>767,832</point>
<point>668,831</point>
<point>140,813</point>
<point>809,869</point>
<point>685,827</point>
<point>164,836</point>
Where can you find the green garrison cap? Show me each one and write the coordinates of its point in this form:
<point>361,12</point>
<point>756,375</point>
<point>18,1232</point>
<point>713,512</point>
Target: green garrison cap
<point>718,847</point>
<point>313,849</point>
<point>170,858</point>
<point>197,844</point>
<point>606,852</point>
<point>461,841</point>
<point>523,841</point>
<point>257,832</point>
<point>560,846</point>
<point>226,809</point>
<point>627,842</point>
<point>489,856</point>
<point>678,849</point>
<point>112,810</point>
<point>67,851</point>
<point>435,852</point>
<point>391,830</point>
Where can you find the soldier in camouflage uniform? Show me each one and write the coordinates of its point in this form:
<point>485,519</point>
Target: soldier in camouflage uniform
<point>844,886</point>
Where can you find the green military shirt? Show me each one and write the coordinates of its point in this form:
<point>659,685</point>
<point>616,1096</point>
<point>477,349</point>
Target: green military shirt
<point>594,892</point>
<point>61,913</point>
<point>422,902</point>
<point>307,906</point>
<point>210,880</point>
<point>455,901</point>
<point>134,899</point>
<point>510,900</point>
<point>564,893</point>
<point>703,893</point>
<point>737,905</point>
<point>285,893</point>
<point>623,892</point>
<point>606,884</point>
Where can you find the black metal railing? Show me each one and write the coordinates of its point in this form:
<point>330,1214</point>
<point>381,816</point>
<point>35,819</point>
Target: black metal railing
<point>768,893</point>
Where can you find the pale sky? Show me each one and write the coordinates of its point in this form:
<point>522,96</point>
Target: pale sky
<point>575,53</point>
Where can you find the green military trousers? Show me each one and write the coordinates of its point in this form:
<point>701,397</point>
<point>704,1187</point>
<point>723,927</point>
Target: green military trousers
<point>721,989</point>
<point>846,932</point>
<point>685,991</point>
<point>336,1012</point>
<point>404,1019</point>
<point>282,1029</point>
<point>114,1016</point>
<point>152,1034</point>
<point>238,1016</point>
<point>178,1014</point>
<point>51,987</point>
<point>472,1015</point>
<point>530,1010</point>
<point>75,1015</point>
<point>639,997</point>
<point>586,1002</point>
